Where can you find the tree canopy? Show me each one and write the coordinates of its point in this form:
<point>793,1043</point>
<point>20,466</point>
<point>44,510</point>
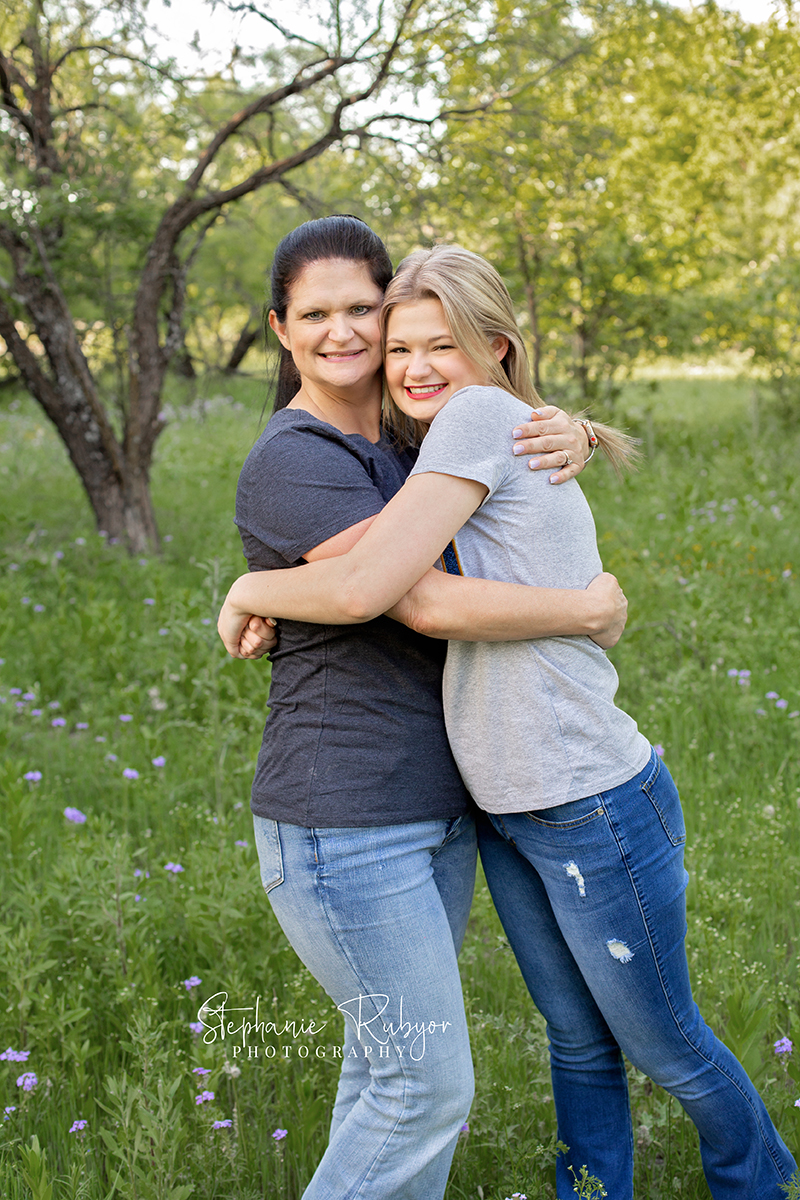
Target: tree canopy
<point>631,168</point>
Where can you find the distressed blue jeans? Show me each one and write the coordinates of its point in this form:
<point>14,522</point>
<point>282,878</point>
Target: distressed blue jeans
<point>592,898</point>
<point>378,915</point>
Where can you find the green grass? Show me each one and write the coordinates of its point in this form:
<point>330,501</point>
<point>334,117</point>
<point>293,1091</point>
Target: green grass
<point>705,542</point>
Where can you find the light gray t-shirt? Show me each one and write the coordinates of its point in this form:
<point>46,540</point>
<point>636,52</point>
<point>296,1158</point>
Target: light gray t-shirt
<point>532,724</point>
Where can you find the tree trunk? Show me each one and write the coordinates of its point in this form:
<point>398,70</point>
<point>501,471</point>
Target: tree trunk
<point>533,305</point>
<point>116,484</point>
<point>245,341</point>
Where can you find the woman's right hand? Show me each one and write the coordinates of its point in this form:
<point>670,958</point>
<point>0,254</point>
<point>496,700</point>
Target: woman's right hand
<point>612,610</point>
<point>246,637</point>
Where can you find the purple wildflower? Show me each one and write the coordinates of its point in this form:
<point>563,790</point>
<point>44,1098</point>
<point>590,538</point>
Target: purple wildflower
<point>139,872</point>
<point>36,712</point>
<point>206,621</point>
<point>26,599</point>
<point>659,749</point>
<point>59,554</point>
<point>8,1111</point>
<point>201,1071</point>
<point>771,696</point>
<point>33,776</point>
<point>176,868</point>
<point>796,1104</point>
<point>29,696</point>
<point>125,717</point>
<point>167,536</point>
<point>241,842</point>
<point>130,773</point>
<point>163,632</point>
<point>280,1134</point>
<point>82,725</point>
<point>27,1082</point>
<point>192,982</point>
<point>781,703</point>
<point>136,898</point>
<point>38,608</point>
<point>75,815</point>
<point>464,1128</point>
<point>78,1126</point>
<point>159,761</point>
<point>54,704</point>
<point>10,1055</point>
<point>203,1096</point>
<point>196,1027</point>
<point>142,562</point>
<point>15,691</point>
<point>58,722</point>
<point>149,601</point>
<point>111,758</point>
<point>80,541</point>
<point>783,1046</point>
<point>222,1124</point>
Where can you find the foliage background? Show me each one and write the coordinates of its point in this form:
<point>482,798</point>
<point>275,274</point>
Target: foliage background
<point>632,169</point>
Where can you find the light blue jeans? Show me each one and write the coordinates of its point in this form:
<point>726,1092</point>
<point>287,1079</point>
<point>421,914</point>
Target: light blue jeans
<point>592,898</point>
<point>378,915</point>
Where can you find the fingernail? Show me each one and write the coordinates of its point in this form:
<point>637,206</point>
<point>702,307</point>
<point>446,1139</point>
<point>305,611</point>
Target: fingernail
<point>554,478</point>
<point>517,433</point>
<point>538,411</point>
<point>518,449</point>
<point>533,463</point>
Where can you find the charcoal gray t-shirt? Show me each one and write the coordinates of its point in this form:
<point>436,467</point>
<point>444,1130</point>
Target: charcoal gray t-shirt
<point>355,735</point>
<point>532,724</point>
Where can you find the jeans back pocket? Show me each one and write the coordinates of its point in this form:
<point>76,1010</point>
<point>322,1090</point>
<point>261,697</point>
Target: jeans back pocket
<point>660,789</point>
<point>270,855</point>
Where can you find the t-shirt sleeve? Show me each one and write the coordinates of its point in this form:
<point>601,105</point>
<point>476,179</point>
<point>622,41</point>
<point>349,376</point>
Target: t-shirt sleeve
<point>471,437</point>
<point>300,488</point>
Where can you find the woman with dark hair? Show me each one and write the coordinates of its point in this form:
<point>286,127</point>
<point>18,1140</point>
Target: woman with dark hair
<point>365,839</point>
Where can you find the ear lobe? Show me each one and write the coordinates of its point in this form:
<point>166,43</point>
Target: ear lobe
<point>279,329</point>
<point>499,346</point>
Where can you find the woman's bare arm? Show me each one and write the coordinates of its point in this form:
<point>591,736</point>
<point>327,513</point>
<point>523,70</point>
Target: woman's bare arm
<point>396,551</point>
<point>462,609</point>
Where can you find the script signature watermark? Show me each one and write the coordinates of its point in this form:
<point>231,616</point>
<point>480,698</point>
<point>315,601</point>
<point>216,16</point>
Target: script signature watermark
<point>379,1029</point>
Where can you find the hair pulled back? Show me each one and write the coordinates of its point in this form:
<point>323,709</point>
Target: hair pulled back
<point>478,309</point>
<point>339,236</point>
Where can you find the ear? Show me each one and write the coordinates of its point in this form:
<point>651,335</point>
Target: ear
<point>279,329</point>
<point>499,346</point>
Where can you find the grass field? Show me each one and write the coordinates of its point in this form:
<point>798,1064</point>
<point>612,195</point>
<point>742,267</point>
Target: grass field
<point>117,700</point>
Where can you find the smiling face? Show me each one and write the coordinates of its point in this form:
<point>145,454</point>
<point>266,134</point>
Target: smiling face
<point>331,327</point>
<point>423,365</point>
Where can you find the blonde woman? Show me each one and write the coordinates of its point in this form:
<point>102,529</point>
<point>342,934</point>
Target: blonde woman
<point>582,834</point>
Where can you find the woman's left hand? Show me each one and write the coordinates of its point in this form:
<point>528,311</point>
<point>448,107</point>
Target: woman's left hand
<point>550,436</point>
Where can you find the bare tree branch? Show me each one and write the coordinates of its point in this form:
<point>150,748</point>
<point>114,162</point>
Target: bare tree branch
<point>287,33</point>
<point>113,52</point>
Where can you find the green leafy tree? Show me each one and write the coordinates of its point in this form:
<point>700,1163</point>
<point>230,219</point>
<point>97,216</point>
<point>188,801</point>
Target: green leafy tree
<point>115,169</point>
